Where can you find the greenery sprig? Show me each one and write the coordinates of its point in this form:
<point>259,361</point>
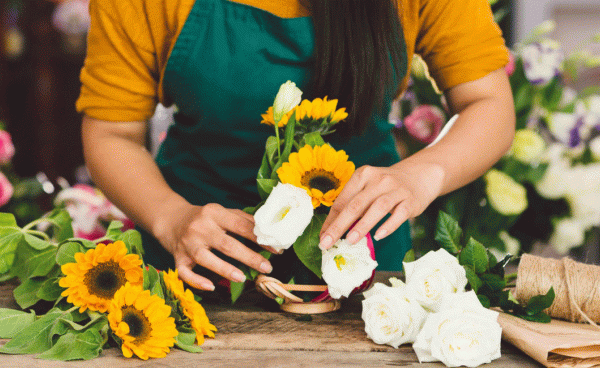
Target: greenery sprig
<point>486,275</point>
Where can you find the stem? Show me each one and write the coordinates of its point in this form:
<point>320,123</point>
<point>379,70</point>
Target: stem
<point>278,144</point>
<point>33,223</point>
<point>510,276</point>
<point>40,234</point>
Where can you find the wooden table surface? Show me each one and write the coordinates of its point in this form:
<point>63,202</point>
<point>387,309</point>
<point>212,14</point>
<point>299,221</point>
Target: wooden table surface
<point>253,333</point>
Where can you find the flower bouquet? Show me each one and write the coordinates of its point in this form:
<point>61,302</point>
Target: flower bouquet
<point>299,178</point>
<point>79,297</point>
<point>545,188</point>
<point>442,308</point>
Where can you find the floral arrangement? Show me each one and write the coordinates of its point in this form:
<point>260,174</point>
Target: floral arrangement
<point>92,295</point>
<point>299,178</point>
<point>434,311</point>
<point>545,188</point>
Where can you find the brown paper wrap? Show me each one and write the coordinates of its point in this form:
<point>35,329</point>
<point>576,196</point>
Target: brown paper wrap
<point>556,344</point>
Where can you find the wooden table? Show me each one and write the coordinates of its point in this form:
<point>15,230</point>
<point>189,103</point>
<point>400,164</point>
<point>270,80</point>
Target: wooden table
<point>253,333</point>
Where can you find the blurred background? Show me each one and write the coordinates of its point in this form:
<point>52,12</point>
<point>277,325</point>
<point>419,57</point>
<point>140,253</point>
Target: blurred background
<point>42,49</point>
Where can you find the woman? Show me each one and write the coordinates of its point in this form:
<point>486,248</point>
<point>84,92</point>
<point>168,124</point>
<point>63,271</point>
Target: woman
<point>222,61</point>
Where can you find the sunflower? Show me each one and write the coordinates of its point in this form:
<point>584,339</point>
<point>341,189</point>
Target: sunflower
<point>92,281</point>
<point>318,109</point>
<point>191,308</point>
<point>142,322</point>
<point>321,170</point>
<point>270,120</point>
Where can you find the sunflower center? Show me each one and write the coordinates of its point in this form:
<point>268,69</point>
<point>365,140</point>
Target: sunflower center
<point>139,326</point>
<point>105,279</point>
<point>320,179</point>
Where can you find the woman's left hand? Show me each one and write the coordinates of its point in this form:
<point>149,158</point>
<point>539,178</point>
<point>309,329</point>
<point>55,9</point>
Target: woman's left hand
<point>404,190</point>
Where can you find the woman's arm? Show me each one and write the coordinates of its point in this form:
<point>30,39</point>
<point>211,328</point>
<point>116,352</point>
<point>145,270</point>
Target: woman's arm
<point>126,173</point>
<point>481,135</point>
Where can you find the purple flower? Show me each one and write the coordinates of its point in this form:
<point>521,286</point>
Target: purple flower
<point>542,61</point>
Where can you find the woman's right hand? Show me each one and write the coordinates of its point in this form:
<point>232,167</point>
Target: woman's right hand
<point>195,231</point>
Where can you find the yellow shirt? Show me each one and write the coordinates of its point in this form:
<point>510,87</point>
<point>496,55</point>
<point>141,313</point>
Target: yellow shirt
<point>130,41</point>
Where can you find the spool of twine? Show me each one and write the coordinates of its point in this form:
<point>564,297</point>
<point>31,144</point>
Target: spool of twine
<point>576,286</point>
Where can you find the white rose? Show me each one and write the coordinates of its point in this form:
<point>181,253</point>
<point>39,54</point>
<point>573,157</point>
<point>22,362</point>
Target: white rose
<point>553,184</point>
<point>568,233</point>
<point>432,277</point>
<point>390,316</point>
<point>585,207</point>
<point>463,333</point>
<point>527,146</point>
<point>288,97</point>
<point>595,148</point>
<point>284,216</point>
<point>504,194</point>
<point>345,267</point>
<point>560,125</point>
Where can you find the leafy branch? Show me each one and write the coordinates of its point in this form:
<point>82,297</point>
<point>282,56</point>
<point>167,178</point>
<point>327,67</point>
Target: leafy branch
<point>485,273</point>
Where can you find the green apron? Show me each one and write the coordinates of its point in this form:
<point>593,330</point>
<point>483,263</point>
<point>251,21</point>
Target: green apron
<point>223,73</point>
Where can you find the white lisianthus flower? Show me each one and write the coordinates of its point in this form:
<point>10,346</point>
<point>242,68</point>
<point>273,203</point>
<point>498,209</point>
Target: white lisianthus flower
<point>553,184</point>
<point>527,146</point>
<point>345,267</point>
<point>284,216</point>
<point>512,245</point>
<point>585,207</point>
<point>595,148</point>
<point>568,233</point>
<point>592,117</point>
<point>288,97</point>
<point>390,316</point>
<point>504,194</point>
<point>542,61</point>
<point>431,278</point>
<point>463,333</point>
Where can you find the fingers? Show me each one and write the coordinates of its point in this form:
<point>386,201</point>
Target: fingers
<point>237,222</point>
<point>399,216</point>
<point>194,280</point>
<point>205,258</point>
<point>234,249</point>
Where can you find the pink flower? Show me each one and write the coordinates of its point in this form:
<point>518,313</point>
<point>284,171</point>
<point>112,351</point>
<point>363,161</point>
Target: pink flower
<point>510,67</point>
<point>6,190</point>
<point>7,149</point>
<point>425,123</point>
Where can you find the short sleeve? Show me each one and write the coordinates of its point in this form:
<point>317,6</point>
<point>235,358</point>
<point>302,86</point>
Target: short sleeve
<point>459,40</point>
<point>119,77</point>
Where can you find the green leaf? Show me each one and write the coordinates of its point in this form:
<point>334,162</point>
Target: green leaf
<point>26,293</point>
<point>7,219</point>
<point>448,233</point>
<point>271,150</point>
<point>13,321</point>
<point>314,139</point>
<point>492,284</point>
<point>307,245</point>
<point>409,256</point>
<point>264,172</point>
<point>66,252</point>
<point>265,186</point>
<point>133,242</point>
<point>473,279</point>
<point>186,341</point>
<point>484,300</point>
<point>30,262</point>
<point>50,290</point>
<point>67,323</point>
<point>523,97</point>
<point>35,242</point>
<point>474,255</point>
<point>61,221</point>
<point>236,290</point>
<point>34,338</point>
<point>540,302</point>
<point>75,345</point>
<point>9,240</point>
<point>114,230</point>
<point>498,268</point>
<point>250,210</point>
<point>152,281</point>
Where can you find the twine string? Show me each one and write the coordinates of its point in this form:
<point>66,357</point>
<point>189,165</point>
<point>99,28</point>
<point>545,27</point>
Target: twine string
<point>576,286</point>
